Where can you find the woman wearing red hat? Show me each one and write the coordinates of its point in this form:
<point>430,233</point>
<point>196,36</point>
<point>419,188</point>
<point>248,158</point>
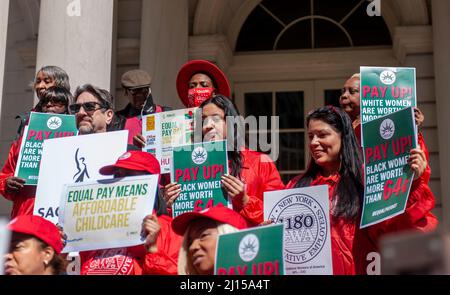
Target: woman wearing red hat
<point>55,100</point>
<point>35,247</point>
<point>200,231</point>
<point>336,161</point>
<point>251,173</point>
<point>199,80</point>
<point>159,253</point>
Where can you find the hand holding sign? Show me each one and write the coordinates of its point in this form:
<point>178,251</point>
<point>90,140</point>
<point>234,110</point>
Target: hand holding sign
<point>151,230</point>
<point>235,188</point>
<point>171,193</point>
<point>14,184</point>
<point>418,162</point>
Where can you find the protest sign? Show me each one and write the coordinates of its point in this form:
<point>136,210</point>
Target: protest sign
<point>165,130</point>
<point>41,127</point>
<point>304,212</point>
<point>5,238</point>
<point>198,169</point>
<point>257,251</point>
<point>71,160</point>
<point>385,90</point>
<point>106,213</point>
<point>388,176</point>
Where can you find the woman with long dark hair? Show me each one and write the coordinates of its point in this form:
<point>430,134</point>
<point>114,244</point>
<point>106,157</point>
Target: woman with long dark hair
<point>336,161</point>
<point>250,173</point>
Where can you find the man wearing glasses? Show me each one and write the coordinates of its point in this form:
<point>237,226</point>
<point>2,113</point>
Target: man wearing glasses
<point>136,84</point>
<point>93,109</point>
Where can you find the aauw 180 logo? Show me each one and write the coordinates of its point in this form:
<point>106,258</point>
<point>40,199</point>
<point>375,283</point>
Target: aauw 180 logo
<point>305,227</point>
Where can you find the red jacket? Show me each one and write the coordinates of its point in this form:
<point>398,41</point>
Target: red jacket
<point>260,175</point>
<point>350,244</point>
<point>23,200</point>
<point>135,260</point>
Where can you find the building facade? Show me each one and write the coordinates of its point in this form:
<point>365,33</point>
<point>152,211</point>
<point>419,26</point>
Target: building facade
<point>283,58</point>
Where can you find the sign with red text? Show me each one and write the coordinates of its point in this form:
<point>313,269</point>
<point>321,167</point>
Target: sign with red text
<point>165,130</point>
<point>305,214</point>
<point>198,168</point>
<point>256,251</point>
<point>42,126</point>
<point>106,213</point>
<point>388,176</point>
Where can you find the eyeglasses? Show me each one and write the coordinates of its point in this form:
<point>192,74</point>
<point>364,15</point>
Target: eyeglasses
<point>54,101</point>
<point>350,90</point>
<point>89,107</point>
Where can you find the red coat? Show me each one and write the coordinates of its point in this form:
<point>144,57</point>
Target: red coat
<point>23,200</point>
<point>260,175</point>
<point>350,244</point>
<point>135,260</point>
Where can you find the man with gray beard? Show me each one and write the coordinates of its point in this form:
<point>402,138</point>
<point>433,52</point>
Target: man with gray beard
<point>93,109</point>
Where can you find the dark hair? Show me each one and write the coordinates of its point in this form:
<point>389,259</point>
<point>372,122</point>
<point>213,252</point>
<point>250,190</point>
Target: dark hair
<point>56,73</point>
<point>57,263</point>
<point>350,189</point>
<point>103,96</point>
<point>56,93</point>
<point>234,134</point>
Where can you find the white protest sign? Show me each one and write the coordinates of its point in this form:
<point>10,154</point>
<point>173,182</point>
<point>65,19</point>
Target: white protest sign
<point>5,238</point>
<point>106,213</point>
<point>307,238</point>
<point>165,130</point>
<point>72,160</point>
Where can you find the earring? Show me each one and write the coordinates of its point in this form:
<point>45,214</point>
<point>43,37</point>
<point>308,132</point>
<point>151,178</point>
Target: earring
<point>45,263</point>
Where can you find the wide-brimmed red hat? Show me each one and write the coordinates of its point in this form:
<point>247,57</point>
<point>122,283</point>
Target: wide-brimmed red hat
<point>38,227</point>
<point>218,213</point>
<point>134,160</point>
<point>201,66</point>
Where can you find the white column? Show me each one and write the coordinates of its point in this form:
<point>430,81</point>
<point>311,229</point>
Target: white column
<point>78,36</point>
<point>164,46</point>
<point>4,12</point>
<point>441,44</point>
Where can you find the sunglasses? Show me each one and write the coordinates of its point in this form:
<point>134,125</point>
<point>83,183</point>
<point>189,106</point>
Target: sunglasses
<point>54,101</point>
<point>89,107</point>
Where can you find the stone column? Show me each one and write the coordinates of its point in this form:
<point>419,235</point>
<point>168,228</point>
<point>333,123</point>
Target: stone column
<point>4,12</point>
<point>441,44</point>
<point>164,46</point>
<point>79,37</point>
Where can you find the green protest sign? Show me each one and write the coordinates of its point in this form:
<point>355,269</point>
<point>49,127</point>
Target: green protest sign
<point>388,176</point>
<point>198,169</point>
<point>385,90</point>
<point>257,251</point>
<point>41,126</point>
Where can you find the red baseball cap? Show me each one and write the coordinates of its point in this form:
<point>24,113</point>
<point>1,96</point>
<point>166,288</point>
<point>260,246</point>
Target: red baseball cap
<point>38,227</point>
<point>218,213</point>
<point>201,66</point>
<point>134,160</point>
